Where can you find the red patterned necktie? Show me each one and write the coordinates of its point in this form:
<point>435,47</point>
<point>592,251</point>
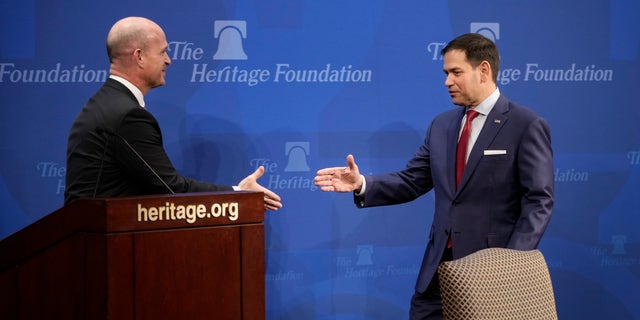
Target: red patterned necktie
<point>461,152</point>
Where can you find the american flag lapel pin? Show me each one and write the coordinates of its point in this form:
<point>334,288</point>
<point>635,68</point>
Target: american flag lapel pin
<point>496,121</point>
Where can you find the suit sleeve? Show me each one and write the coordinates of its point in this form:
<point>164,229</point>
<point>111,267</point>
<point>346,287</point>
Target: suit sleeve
<point>535,168</point>
<point>141,131</point>
<point>399,187</point>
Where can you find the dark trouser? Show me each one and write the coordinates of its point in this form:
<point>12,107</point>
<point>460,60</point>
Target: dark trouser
<point>428,305</point>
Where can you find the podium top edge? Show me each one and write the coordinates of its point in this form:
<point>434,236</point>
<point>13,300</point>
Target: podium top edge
<point>166,196</point>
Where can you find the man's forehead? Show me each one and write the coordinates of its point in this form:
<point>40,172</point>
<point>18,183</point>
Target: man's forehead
<point>454,60</point>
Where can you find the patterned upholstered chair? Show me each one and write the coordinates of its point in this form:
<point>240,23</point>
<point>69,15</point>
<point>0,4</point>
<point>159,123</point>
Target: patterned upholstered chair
<point>497,284</point>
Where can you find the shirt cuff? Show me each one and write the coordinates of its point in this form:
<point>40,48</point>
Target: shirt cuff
<point>364,187</point>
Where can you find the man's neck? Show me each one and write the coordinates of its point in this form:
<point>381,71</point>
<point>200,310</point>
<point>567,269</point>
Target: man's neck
<point>139,95</point>
<point>131,79</point>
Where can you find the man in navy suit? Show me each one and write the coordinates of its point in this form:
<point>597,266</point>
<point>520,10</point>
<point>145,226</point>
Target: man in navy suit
<point>504,197</point>
<point>115,145</point>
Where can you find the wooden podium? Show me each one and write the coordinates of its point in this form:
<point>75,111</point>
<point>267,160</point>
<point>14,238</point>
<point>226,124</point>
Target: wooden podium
<point>183,256</point>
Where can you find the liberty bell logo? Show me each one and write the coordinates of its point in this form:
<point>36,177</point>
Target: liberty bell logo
<point>491,30</point>
<point>297,153</point>
<point>230,34</point>
<point>365,252</point>
<point>618,242</point>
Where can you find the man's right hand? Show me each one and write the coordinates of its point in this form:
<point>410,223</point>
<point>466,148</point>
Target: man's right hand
<point>340,179</point>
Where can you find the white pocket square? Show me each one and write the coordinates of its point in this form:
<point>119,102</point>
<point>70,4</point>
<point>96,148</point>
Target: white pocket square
<point>494,152</point>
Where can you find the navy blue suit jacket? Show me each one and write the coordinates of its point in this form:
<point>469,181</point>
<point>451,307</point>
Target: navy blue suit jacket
<point>505,198</point>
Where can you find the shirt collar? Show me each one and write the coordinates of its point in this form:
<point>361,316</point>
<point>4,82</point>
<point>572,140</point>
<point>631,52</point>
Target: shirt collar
<point>485,106</point>
<point>136,92</point>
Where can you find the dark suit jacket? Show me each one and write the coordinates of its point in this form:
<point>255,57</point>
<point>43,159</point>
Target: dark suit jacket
<point>102,146</point>
<point>504,200</point>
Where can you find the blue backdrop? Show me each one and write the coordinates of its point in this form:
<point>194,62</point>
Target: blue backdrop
<point>295,85</point>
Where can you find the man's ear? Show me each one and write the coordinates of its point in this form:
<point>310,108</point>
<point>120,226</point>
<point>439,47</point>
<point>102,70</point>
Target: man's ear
<point>485,70</point>
<point>137,56</point>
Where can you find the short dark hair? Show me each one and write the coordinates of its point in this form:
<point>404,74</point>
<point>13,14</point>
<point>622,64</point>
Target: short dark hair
<point>477,48</point>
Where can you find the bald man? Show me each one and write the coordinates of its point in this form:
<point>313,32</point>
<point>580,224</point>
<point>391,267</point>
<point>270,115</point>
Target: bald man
<point>115,145</point>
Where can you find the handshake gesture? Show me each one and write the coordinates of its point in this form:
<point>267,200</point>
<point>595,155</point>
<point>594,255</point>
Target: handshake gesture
<point>334,179</point>
<point>271,199</point>
<point>340,179</point>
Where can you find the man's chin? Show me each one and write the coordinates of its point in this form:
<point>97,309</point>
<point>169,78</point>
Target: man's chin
<point>159,84</point>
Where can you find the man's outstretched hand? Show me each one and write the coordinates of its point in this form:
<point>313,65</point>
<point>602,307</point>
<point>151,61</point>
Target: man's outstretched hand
<point>271,200</point>
<point>340,179</point>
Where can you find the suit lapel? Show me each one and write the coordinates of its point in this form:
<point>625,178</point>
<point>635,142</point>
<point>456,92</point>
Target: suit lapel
<point>495,121</point>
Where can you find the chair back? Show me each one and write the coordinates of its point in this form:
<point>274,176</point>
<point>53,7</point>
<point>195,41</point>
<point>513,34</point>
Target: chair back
<point>497,284</point>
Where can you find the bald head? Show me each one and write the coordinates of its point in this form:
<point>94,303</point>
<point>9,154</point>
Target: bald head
<point>130,34</point>
<point>137,49</point>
